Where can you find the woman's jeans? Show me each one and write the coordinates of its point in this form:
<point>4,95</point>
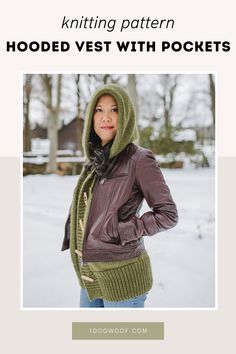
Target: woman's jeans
<point>137,301</point>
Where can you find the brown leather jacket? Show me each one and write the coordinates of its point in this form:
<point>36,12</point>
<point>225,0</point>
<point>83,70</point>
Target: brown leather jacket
<point>114,230</point>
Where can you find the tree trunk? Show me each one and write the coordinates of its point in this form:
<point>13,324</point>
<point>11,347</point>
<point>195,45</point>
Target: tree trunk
<point>53,140</point>
<point>132,90</point>
<point>79,125</point>
<point>105,78</point>
<point>169,84</point>
<point>212,98</point>
<point>53,117</point>
<point>26,110</point>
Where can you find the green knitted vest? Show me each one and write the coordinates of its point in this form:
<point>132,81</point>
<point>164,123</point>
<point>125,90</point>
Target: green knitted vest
<point>118,280</point>
<point>78,216</point>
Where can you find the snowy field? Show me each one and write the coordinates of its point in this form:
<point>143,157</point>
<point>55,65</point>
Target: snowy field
<point>183,258</point>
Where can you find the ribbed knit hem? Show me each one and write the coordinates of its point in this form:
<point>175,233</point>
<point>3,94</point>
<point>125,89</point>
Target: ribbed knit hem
<point>122,282</point>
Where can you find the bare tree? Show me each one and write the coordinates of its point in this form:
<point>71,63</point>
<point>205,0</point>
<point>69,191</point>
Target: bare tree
<point>212,99</point>
<point>53,115</point>
<point>79,125</point>
<point>132,90</point>
<point>106,78</point>
<point>167,94</point>
<point>26,108</point>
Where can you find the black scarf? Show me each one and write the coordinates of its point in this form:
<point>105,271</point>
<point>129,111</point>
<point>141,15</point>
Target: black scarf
<point>99,157</point>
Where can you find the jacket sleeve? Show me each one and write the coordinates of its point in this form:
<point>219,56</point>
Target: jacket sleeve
<point>152,185</point>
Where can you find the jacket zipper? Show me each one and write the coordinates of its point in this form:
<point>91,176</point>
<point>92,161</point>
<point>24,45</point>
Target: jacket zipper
<point>117,177</point>
<point>103,180</point>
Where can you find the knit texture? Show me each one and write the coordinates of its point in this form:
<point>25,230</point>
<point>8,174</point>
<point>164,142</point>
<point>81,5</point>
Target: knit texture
<point>78,216</point>
<point>119,280</point>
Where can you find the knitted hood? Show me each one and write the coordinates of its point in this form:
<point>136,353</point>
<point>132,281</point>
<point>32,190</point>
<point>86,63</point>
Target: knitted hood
<point>127,131</point>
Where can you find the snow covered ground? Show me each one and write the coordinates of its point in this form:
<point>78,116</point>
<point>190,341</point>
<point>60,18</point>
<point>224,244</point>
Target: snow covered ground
<point>183,258</point>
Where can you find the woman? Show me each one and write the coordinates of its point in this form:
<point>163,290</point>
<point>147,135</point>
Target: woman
<point>104,230</point>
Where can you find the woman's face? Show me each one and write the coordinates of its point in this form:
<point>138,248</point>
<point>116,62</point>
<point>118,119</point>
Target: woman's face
<point>105,118</point>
